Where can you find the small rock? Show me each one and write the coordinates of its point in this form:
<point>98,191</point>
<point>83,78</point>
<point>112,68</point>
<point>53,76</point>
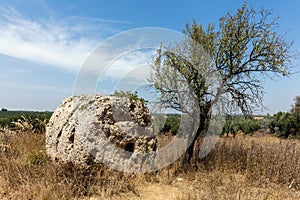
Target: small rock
<point>179,179</point>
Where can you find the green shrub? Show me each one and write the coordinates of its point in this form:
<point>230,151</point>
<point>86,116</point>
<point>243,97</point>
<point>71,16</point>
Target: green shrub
<point>133,96</point>
<point>283,124</point>
<point>247,125</point>
<point>172,124</point>
<point>36,159</point>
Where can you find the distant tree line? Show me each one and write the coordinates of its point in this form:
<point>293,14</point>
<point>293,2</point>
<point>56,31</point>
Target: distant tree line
<point>7,118</point>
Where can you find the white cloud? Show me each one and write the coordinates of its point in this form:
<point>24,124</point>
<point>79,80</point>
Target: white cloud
<point>70,44</point>
<point>63,43</point>
<point>129,66</point>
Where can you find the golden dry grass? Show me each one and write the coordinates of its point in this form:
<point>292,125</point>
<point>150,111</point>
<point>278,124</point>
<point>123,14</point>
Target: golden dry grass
<point>259,167</point>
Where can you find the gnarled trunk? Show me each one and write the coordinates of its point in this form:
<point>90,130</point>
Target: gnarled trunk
<point>204,117</point>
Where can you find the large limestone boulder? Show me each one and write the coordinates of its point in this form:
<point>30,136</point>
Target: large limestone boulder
<point>116,131</point>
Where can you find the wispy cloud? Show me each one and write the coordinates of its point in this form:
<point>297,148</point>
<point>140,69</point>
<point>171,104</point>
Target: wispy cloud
<point>63,43</point>
<point>129,66</point>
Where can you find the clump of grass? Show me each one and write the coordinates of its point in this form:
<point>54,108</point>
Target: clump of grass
<point>28,124</point>
<point>261,160</point>
<point>36,159</point>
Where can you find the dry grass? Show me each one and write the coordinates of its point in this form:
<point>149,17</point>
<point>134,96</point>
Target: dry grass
<point>260,167</point>
<point>27,173</point>
<point>212,185</point>
<point>262,160</point>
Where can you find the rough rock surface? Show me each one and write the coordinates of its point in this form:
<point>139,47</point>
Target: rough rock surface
<point>101,129</point>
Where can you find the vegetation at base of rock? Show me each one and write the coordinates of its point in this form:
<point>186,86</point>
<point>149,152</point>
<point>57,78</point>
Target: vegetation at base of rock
<point>36,159</point>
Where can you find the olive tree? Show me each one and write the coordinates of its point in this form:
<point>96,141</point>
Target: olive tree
<point>242,49</point>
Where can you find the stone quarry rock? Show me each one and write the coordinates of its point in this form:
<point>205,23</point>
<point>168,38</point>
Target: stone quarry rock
<point>116,131</point>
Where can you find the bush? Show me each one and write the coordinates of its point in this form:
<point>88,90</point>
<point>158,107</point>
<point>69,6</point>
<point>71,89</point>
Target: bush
<point>133,96</point>
<point>247,125</point>
<point>283,124</point>
<point>172,124</point>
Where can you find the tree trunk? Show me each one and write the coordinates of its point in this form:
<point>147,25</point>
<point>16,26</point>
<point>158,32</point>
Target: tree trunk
<point>203,121</point>
<point>190,150</point>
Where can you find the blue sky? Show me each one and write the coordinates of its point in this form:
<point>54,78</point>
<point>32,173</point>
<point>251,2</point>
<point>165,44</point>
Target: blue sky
<point>44,43</point>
